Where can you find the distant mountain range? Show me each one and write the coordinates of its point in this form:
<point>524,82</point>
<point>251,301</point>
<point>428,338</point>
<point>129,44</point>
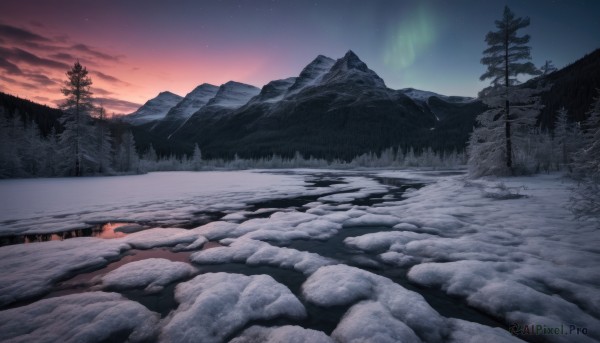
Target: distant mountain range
<point>333,108</point>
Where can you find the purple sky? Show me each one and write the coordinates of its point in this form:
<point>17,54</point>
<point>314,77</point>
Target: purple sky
<point>135,49</point>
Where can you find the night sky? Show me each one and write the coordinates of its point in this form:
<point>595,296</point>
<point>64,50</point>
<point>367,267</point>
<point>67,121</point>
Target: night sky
<point>136,49</point>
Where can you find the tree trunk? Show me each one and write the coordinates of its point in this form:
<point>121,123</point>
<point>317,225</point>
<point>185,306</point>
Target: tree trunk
<point>507,109</point>
<point>77,148</point>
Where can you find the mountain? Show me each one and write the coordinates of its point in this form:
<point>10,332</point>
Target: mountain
<point>45,117</point>
<point>351,70</point>
<point>425,96</point>
<point>228,97</point>
<point>311,74</point>
<point>181,112</point>
<point>192,102</point>
<point>334,108</point>
<point>274,91</point>
<point>154,109</point>
<point>573,87</point>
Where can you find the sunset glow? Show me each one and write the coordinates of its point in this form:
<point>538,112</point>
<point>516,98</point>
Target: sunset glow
<point>134,49</point>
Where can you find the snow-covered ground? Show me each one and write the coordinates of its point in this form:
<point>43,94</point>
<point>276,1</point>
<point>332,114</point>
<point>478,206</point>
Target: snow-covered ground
<point>35,206</point>
<point>454,260</point>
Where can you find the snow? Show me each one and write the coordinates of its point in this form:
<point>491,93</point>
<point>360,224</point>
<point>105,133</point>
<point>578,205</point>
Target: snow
<point>423,96</point>
<point>193,101</point>
<point>223,303</point>
<point>379,308</point>
<point>86,317</point>
<point>350,68</point>
<point>507,256</point>
<point>274,91</point>
<point>506,247</point>
<point>56,260</point>
<point>255,252</point>
<point>233,95</point>
<point>30,270</point>
<point>383,240</point>
<point>373,220</point>
<point>152,274</point>
<point>58,204</point>
<point>463,331</point>
<point>281,334</point>
<point>369,321</point>
<point>280,227</point>
<point>154,109</point>
<point>311,74</point>
<point>157,237</point>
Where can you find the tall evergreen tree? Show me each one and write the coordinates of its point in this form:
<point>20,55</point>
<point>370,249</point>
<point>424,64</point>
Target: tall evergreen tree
<point>103,142</point>
<point>197,158</point>
<point>586,165</point>
<point>10,163</point>
<point>505,60</point>
<point>547,68</point>
<point>77,108</point>
<point>565,137</point>
<point>126,157</point>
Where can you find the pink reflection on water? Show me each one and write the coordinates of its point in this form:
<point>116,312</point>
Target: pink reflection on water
<point>108,231</point>
<point>105,231</point>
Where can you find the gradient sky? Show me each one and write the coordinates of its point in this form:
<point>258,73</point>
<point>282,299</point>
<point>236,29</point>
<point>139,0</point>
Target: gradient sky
<point>136,49</point>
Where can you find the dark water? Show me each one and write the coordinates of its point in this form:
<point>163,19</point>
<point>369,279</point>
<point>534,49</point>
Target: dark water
<point>336,249</point>
<point>105,230</point>
<point>319,318</point>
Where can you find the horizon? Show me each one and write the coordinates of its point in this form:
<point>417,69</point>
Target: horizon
<point>162,47</point>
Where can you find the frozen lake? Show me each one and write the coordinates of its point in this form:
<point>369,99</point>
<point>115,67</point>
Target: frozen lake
<point>297,255</point>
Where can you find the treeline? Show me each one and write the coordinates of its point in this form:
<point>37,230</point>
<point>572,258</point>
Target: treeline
<point>510,140</point>
<point>47,118</point>
<point>573,87</point>
<point>26,151</point>
<point>388,158</point>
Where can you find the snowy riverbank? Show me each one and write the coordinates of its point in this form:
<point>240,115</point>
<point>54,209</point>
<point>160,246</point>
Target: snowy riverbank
<point>508,248</point>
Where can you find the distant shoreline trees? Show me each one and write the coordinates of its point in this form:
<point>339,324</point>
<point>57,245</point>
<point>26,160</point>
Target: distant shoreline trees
<point>85,144</point>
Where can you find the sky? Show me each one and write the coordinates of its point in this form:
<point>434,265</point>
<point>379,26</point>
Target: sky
<point>136,49</point>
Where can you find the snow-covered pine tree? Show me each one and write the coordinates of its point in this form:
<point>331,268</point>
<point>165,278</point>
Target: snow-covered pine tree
<point>586,165</point>
<point>505,60</point>
<point>565,138</point>
<point>31,149</point>
<point>51,154</point>
<point>103,149</point>
<point>76,140</point>
<point>197,158</point>
<point>10,163</point>
<point>126,157</point>
<point>547,68</point>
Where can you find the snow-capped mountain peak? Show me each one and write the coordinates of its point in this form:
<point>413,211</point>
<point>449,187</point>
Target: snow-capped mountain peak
<point>312,73</point>
<point>193,101</point>
<point>233,95</point>
<point>351,61</point>
<point>351,69</point>
<point>424,96</point>
<point>154,109</point>
<point>274,90</point>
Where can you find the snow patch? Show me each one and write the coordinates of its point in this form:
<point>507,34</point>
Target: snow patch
<point>260,253</point>
<point>152,274</point>
<point>281,334</point>
<point>376,300</point>
<point>214,305</point>
<point>30,270</point>
<point>86,317</point>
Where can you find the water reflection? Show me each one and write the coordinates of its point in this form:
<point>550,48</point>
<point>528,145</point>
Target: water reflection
<point>102,230</point>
